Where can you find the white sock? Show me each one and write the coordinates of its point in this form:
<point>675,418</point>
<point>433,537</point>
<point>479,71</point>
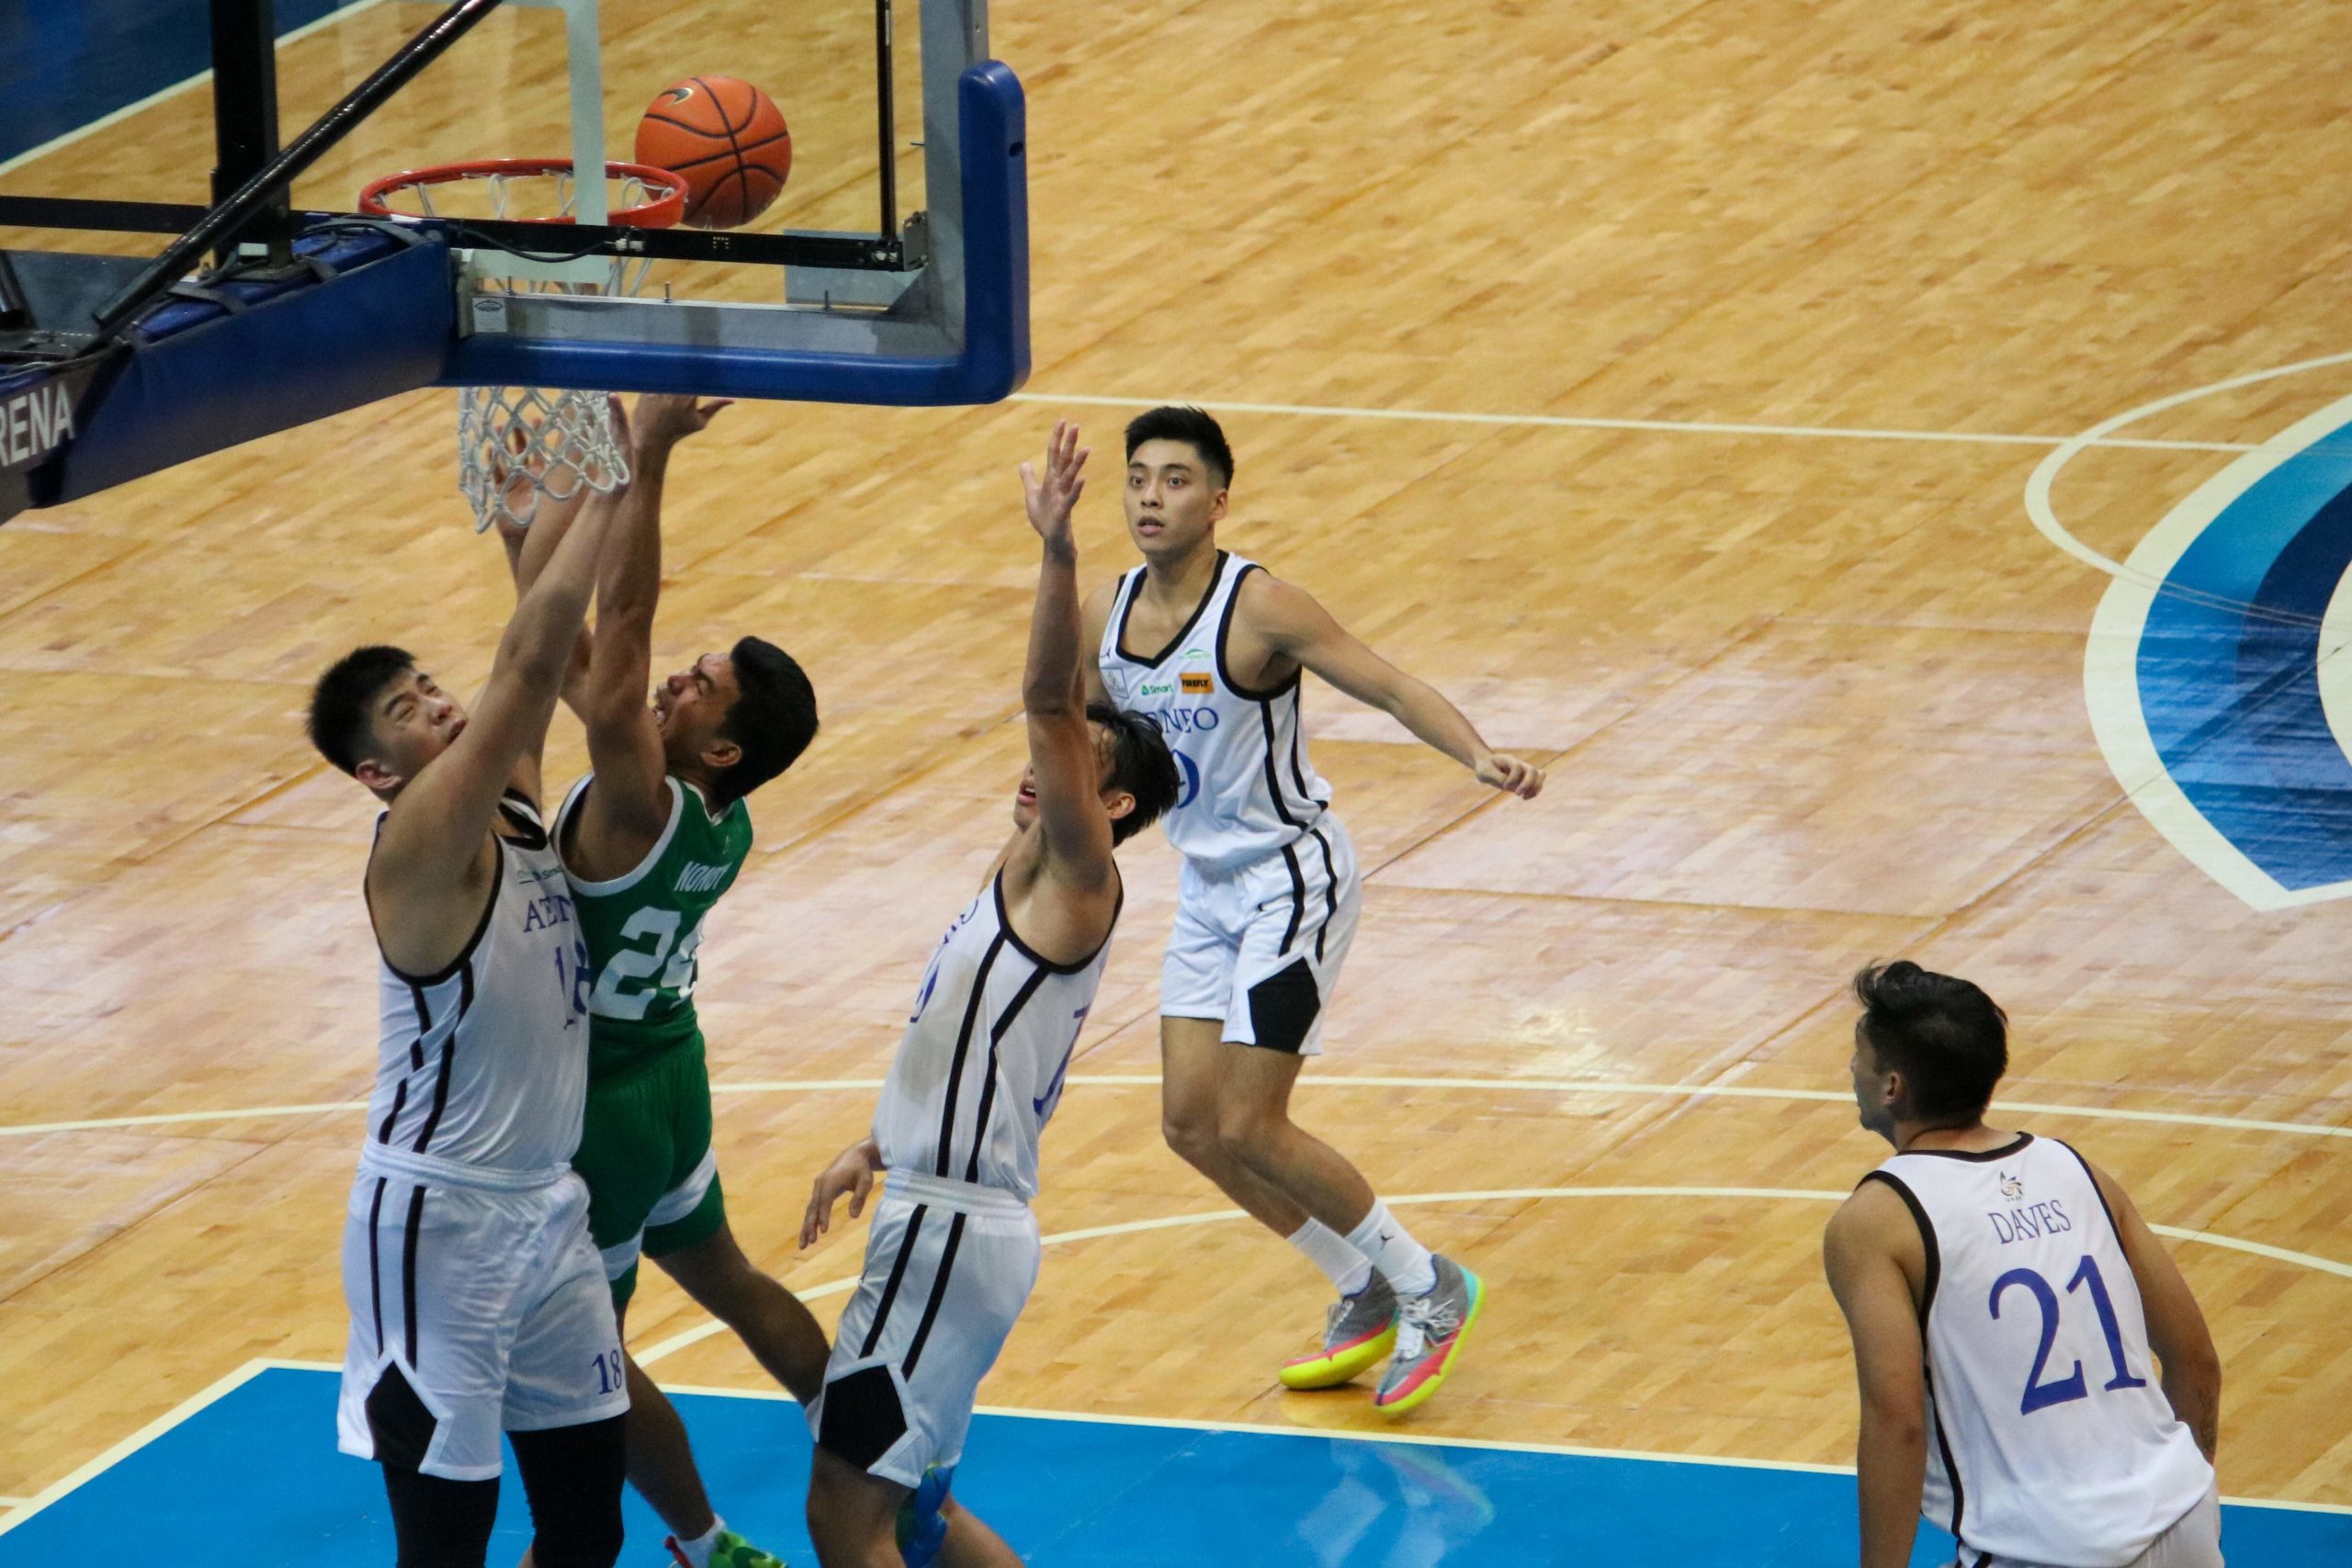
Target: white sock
<point>1402,1261</point>
<point>1349,1269</point>
<point>698,1550</point>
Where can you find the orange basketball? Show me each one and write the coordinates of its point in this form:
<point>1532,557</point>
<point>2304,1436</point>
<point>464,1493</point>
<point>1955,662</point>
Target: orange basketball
<point>725,138</point>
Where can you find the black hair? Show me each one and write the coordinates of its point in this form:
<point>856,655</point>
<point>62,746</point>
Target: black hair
<point>343,704</point>
<point>1172,422</point>
<point>1949,1040</point>
<point>1141,764</point>
<point>773,718</point>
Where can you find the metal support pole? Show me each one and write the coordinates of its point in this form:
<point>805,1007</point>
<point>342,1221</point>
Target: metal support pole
<point>275,177</point>
<point>887,95</point>
<point>244,119</point>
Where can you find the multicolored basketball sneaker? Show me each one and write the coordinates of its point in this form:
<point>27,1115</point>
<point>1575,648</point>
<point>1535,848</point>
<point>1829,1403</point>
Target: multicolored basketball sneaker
<point>1429,1330</point>
<point>730,1550</point>
<point>1360,1329</point>
<point>922,1529</point>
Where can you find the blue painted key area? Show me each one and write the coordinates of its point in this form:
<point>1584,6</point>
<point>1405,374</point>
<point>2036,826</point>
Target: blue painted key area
<point>254,1478</point>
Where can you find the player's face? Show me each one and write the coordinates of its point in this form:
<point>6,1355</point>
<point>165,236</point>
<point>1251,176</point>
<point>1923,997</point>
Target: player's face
<point>1024,799</point>
<point>414,721</point>
<point>1171,500</point>
<point>690,704</point>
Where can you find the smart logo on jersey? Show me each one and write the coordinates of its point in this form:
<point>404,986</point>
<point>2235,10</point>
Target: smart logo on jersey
<point>1196,682</point>
<point>1156,689</point>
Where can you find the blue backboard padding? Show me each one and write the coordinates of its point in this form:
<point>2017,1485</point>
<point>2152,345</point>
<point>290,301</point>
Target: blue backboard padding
<point>254,1478</point>
<point>994,360</point>
<point>204,378</point>
<point>2228,668</point>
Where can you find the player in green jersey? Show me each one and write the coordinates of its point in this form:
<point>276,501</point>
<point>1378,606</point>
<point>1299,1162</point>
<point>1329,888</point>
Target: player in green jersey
<point>650,839</point>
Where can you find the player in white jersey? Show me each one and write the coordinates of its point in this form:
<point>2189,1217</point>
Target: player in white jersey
<point>478,1304</point>
<point>953,1251</point>
<point>1214,647</point>
<point>2005,1298</point>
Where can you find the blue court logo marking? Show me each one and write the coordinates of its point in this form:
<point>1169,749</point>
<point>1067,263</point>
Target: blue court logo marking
<point>2217,674</point>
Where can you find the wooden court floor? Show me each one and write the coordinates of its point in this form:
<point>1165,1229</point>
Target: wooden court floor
<point>1808,696</point>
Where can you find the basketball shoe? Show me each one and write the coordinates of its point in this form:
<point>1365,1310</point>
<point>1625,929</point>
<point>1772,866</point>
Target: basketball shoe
<point>1430,1331</point>
<point>1359,1331</point>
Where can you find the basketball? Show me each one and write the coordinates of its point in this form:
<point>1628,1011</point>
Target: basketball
<point>725,138</point>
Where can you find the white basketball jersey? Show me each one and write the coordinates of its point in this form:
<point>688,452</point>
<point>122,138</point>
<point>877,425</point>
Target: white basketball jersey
<point>2050,1440</point>
<point>980,1068</point>
<point>1247,788</point>
<point>484,1065</point>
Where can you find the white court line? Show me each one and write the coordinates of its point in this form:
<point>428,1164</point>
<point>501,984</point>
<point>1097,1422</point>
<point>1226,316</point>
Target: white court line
<point>1661,426</point>
<point>1109,1080</point>
<point>662,1350</point>
<point>174,90</point>
<point>132,1444</point>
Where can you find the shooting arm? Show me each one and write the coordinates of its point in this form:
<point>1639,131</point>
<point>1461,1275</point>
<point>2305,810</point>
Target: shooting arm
<point>1891,1454</point>
<point>434,828</point>
<point>1076,830</point>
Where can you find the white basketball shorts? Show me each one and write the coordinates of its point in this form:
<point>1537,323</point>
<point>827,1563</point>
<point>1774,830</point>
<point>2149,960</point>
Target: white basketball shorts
<point>2194,1540</point>
<point>473,1311</point>
<point>1260,946</point>
<point>948,1268</point>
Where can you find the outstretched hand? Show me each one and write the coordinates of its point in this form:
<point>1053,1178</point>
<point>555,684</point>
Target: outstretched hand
<point>664,419</point>
<point>1052,497</point>
<point>1508,773</point>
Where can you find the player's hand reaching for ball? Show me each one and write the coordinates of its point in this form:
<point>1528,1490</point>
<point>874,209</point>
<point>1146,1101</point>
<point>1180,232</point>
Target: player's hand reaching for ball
<point>664,419</point>
<point>853,1174</point>
<point>1053,495</point>
<point>1504,772</point>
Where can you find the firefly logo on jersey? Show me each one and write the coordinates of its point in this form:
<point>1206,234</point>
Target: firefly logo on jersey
<point>2024,1225</point>
<point>1196,682</point>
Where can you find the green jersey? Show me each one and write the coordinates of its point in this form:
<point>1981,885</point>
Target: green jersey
<point>644,927</point>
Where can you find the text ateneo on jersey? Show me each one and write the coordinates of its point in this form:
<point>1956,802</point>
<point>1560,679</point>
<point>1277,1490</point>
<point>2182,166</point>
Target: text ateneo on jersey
<point>549,907</point>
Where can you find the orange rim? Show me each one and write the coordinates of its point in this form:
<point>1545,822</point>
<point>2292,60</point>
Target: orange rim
<point>660,211</point>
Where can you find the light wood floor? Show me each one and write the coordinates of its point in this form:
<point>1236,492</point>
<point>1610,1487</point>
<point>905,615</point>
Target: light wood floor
<point>1805,699</point>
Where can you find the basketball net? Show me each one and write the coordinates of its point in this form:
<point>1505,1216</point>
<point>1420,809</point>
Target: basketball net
<point>518,446</point>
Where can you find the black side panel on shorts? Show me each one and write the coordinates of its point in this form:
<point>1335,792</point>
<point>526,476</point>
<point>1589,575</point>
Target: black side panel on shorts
<point>399,1421</point>
<point>1283,1006</point>
<point>863,1417</point>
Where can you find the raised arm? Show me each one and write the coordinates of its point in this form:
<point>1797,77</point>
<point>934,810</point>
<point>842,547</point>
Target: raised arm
<point>1290,623</point>
<point>2192,1368</point>
<point>1862,1255</point>
<point>1074,830</point>
<point>433,834</point>
<point>527,546</point>
<point>628,806</point>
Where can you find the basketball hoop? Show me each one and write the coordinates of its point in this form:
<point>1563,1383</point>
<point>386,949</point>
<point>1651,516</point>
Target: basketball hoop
<point>517,444</point>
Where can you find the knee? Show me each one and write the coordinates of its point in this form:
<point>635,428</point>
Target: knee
<point>1193,1133</point>
<point>1245,1131</point>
